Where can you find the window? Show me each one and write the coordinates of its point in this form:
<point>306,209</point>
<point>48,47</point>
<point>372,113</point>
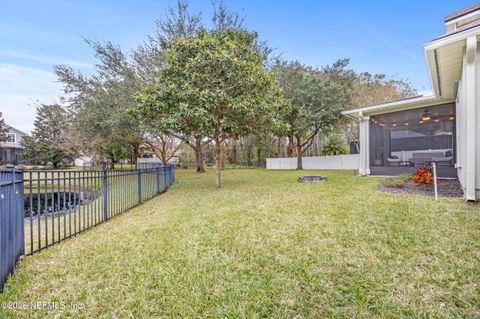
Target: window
<point>11,138</point>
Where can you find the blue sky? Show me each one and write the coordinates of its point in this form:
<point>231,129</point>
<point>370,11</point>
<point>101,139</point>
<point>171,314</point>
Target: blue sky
<point>378,36</point>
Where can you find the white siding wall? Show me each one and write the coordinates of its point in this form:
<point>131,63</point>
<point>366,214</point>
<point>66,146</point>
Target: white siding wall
<point>460,127</point>
<point>468,139</point>
<point>477,121</point>
<point>335,162</point>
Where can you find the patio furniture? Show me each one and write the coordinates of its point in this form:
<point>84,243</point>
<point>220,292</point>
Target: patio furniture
<point>446,160</point>
<point>426,157</point>
<point>393,160</point>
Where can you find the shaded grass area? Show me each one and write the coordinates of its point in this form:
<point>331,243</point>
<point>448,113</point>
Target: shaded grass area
<point>265,246</point>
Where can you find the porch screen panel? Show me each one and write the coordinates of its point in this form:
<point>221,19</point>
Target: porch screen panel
<point>414,137</point>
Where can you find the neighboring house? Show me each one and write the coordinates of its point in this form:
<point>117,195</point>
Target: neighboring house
<point>444,127</point>
<point>83,161</point>
<point>10,149</point>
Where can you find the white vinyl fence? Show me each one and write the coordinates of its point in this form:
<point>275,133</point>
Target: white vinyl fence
<point>334,162</point>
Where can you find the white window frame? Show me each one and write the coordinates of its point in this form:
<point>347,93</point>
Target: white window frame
<point>14,138</point>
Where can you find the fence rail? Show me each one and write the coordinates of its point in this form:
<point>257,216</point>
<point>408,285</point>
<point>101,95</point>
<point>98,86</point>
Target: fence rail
<point>52,205</point>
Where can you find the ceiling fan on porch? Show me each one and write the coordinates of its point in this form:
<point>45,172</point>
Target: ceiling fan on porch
<point>425,117</point>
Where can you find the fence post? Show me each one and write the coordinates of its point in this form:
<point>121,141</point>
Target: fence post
<point>165,176</point>
<point>157,173</point>
<point>139,173</point>
<point>105,194</point>
<point>20,210</point>
<point>11,221</point>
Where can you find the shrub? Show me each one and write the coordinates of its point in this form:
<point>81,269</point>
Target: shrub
<point>397,181</point>
<point>335,145</point>
<point>423,175</point>
<point>405,176</point>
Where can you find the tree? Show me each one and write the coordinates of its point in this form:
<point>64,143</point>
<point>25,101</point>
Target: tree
<point>215,80</point>
<point>373,89</point>
<point>3,129</point>
<point>101,103</point>
<point>314,100</point>
<point>164,146</point>
<point>334,145</point>
<point>48,142</point>
<point>378,88</point>
<point>180,23</point>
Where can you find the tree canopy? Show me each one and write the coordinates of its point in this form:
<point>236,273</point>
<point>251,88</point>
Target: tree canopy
<point>215,82</point>
<point>100,103</point>
<point>48,143</point>
<point>314,99</point>
<point>3,129</point>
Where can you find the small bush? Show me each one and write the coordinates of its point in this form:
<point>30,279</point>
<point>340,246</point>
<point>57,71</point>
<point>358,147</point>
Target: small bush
<point>405,176</point>
<point>397,181</point>
<point>423,175</point>
<point>394,182</point>
<point>335,144</point>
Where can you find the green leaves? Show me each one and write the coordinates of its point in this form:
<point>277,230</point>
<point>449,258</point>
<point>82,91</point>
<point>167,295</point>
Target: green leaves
<point>213,85</point>
<point>335,145</point>
<point>214,80</point>
<point>49,141</point>
<point>3,129</point>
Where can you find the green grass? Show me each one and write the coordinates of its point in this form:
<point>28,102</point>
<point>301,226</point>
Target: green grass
<point>265,246</point>
<point>122,194</point>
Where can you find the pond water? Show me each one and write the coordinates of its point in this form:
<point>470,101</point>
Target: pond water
<point>52,202</point>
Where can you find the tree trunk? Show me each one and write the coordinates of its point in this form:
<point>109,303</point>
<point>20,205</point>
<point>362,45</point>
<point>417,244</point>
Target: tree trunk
<point>199,155</point>
<point>234,154</point>
<point>279,147</point>
<point>222,156</point>
<point>218,161</point>
<point>290,146</point>
<point>135,155</point>
<point>259,156</point>
<point>299,153</point>
<point>249,156</point>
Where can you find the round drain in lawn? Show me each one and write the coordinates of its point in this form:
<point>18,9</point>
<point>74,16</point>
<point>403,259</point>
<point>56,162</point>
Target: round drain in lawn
<point>312,179</point>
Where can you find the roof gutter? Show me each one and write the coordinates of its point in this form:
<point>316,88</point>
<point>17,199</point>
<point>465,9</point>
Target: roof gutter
<point>433,74</point>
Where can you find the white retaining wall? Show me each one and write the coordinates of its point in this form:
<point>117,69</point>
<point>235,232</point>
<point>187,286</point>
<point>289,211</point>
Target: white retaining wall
<point>334,162</point>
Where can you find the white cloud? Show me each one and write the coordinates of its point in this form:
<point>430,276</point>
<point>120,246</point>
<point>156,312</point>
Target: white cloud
<point>21,90</point>
<point>42,59</point>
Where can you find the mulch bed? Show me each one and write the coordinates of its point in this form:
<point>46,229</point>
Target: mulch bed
<point>446,188</point>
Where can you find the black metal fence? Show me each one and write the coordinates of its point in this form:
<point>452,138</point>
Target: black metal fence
<point>11,221</point>
<point>52,205</point>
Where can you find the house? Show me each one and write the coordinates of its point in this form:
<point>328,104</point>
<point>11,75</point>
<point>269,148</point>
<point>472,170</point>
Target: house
<point>443,127</point>
<point>10,149</point>
<point>84,161</point>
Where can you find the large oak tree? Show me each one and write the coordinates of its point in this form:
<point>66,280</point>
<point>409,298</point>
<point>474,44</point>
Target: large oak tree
<point>314,100</point>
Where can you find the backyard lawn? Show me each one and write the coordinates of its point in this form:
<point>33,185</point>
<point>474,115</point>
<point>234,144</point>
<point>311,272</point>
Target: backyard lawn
<point>264,245</point>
